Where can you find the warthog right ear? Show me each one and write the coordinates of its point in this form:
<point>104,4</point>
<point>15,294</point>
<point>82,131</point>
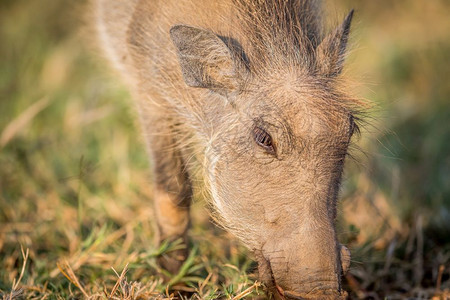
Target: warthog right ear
<point>205,60</point>
<point>331,51</point>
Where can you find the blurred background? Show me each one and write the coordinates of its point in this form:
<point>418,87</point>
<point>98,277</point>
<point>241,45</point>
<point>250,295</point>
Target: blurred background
<point>75,189</point>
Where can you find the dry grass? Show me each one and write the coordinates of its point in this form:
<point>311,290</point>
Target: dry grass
<point>75,190</point>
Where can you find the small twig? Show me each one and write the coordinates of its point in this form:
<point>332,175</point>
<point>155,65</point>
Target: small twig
<point>247,291</point>
<point>439,278</point>
<point>25,259</point>
<point>15,285</point>
<point>61,269</point>
<point>203,283</point>
<point>232,267</point>
<point>119,279</point>
<point>167,291</point>
<point>72,277</point>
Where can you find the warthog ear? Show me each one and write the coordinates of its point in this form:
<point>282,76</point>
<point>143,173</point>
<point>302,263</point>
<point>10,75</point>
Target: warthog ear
<point>205,60</point>
<point>331,51</point>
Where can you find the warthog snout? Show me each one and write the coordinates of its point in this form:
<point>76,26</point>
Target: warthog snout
<point>309,269</point>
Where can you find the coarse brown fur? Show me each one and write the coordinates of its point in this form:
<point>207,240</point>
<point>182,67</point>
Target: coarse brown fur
<point>250,90</point>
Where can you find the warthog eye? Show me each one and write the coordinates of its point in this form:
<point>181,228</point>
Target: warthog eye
<point>264,140</point>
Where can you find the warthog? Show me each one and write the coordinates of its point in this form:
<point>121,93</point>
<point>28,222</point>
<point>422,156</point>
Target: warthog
<point>251,91</point>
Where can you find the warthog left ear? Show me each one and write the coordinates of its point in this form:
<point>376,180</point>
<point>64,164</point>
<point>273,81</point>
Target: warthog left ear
<point>205,60</point>
<point>331,51</point>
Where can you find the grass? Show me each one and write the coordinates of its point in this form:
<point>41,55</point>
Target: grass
<point>75,190</point>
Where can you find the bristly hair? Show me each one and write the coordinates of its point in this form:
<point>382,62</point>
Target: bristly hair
<point>286,30</point>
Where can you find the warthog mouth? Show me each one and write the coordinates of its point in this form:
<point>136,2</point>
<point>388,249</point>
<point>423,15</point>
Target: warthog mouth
<point>288,295</point>
<point>324,294</point>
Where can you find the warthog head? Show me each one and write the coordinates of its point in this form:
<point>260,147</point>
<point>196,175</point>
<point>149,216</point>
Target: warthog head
<point>278,126</point>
